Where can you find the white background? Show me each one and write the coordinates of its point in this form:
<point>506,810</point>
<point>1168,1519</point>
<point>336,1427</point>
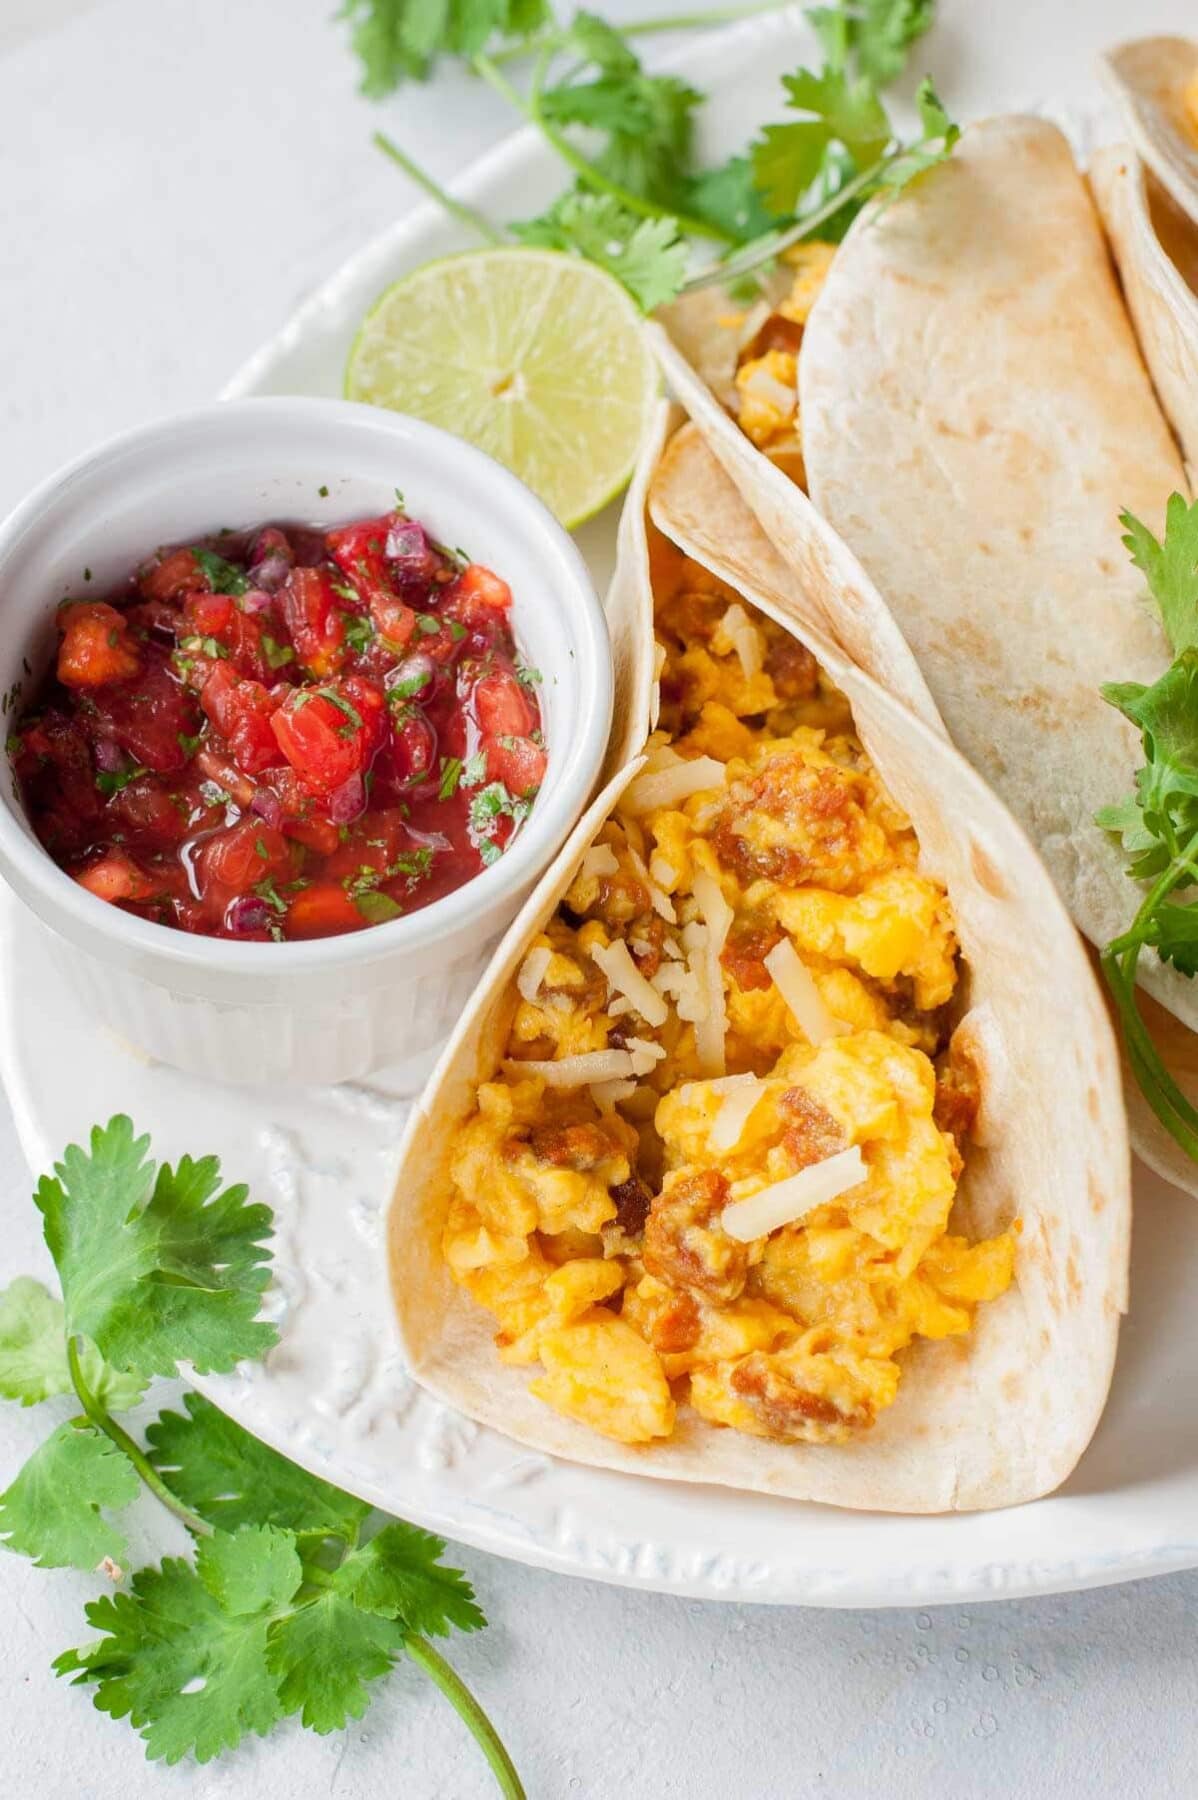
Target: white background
<point>175,175</point>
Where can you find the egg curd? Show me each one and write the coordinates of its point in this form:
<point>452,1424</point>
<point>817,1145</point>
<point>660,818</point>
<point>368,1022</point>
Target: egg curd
<point>766,384</point>
<point>718,1162</point>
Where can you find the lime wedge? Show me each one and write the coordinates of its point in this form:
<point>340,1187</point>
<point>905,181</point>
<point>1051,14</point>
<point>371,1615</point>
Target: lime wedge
<point>536,357</point>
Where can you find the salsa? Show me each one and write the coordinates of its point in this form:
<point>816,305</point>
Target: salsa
<point>284,733</point>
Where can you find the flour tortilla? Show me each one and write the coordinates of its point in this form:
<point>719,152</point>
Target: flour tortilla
<point>1148,79</point>
<point>1155,246</point>
<point>991,1420</point>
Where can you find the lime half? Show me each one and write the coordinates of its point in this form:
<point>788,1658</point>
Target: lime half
<point>536,357</point>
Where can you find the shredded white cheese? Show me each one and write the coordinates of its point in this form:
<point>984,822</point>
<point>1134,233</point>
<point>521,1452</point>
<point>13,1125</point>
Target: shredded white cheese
<point>532,972</point>
<point>717,914</point>
<point>623,975</point>
<point>575,1071</point>
<point>789,1200</point>
<point>670,786</point>
<point>692,1091</point>
<point>600,859</point>
<point>745,639</point>
<point>707,1009</point>
<point>661,903</point>
<point>664,873</point>
<point>736,1109</point>
<point>766,387</point>
<point>644,1054</point>
<point>797,987</point>
<point>605,1094</point>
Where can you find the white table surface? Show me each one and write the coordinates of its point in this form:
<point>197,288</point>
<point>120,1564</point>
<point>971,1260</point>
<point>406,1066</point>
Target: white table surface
<point>175,176</point>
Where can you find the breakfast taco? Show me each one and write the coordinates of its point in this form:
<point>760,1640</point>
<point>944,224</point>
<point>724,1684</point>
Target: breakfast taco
<point>974,417</point>
<point>758,1158</point>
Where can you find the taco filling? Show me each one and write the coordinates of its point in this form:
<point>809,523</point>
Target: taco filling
<point>767,337</point>
<point>719,1158</point>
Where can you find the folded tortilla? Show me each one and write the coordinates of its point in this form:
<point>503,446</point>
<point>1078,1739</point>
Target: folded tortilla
<point>1155,246</point>
<point>975,413</point>
<point>992,1419</point>
<point>1155,81</point>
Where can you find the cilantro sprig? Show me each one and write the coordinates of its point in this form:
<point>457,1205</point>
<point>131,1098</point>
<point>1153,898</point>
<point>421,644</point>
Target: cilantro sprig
<point>297,1599</point>
<point>639,201</point>
<point>1158,824</point>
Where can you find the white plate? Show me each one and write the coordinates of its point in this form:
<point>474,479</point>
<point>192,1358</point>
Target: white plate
<point>334,1394</point>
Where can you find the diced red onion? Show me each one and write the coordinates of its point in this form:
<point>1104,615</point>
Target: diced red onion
<point>270,541</point>
<point>408,546</point>
<point>247,914</point>
<point>271,573</point>
<point>267,806</point>
<point>256,599</point>
<point>418,668</point>
<point>109,756</point>
<point>348,801</point>
<point>428,840</point>
<point>271,560</point>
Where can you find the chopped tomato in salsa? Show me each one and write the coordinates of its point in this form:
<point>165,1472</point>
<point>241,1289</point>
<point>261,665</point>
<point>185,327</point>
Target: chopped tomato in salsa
<point>284,733</point>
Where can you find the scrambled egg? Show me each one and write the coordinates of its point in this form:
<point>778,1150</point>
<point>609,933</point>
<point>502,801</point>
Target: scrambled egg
<point>767,372</point>
<point>1190,104</point>
<point>658,1072</point>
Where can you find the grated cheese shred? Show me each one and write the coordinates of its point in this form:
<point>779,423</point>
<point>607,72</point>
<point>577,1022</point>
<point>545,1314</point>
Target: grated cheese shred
<point>787,1201</point>
<point>796,984</point>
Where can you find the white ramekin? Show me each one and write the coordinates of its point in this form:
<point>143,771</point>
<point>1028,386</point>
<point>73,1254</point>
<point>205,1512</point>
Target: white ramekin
<point>336,1008</point>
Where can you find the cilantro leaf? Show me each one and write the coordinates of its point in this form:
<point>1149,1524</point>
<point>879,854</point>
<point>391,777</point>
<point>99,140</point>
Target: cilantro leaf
<point>1173,933</point>
<point>111,781</point>
<point>727,198</point>
<point>595,41</point>
<point>647,120</point>
<point>222,576</point>
<point>849,110</point>
<point>1167,716</point>
<point>881,32</point>
<point>398,1575</point>
<point>51,1512</point>
<point>33,1352</point>
<point>788,159</point>
<point>1147,855</point>
<point>1171,567</point>
<point>646,256</point>
<point>399,40</point>
<point>376,908</point>
<point>230,1478</point>
<point>254,1569</point>
<point>188,1674</point>
<point>157,1267</point>
<point>324,1654</point>
<point>939,139</point>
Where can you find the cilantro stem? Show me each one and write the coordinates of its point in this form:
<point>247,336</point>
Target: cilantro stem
<point>753,255</point>
<point>457,209</point>
<point>586,171</point>
<point>552,41</point>
<point>102,1419</point>
<point>469,1711</point>
<point>1120,961</point>
<point>457,1693</point>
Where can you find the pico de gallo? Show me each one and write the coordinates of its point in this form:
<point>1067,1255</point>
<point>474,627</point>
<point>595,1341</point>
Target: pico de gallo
<point>284,733</point>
